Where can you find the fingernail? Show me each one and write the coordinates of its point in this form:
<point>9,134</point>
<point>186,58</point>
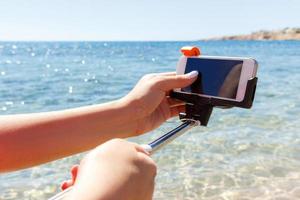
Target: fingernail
<point>192,74</point>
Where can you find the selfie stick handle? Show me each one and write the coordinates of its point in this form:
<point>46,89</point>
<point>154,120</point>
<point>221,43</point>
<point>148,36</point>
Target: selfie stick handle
<point>152,147</point>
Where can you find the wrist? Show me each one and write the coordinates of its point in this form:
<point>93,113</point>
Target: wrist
<point>135,115</point>
<point>133,106</point>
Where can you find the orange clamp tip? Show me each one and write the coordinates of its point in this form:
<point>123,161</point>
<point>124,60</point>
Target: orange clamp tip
<point>190,51</point>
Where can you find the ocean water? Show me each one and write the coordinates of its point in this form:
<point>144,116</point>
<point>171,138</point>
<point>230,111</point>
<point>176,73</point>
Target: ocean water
<point>242,154</point>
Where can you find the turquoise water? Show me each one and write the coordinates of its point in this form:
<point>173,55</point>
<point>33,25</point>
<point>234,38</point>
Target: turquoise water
<point>242,154</point>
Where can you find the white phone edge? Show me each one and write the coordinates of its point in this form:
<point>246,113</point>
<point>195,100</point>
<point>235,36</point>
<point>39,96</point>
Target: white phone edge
<point>249,70</point>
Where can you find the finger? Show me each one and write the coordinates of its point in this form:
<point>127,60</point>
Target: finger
<point>174,102</point>
<point>74,172</point>
<point>149,163</point>
<point>163,74</point>
<point>168,93</point>
<point>176,110</point>
<point>66,184</point>
<point>140,149</point>
<point>167,83</point>
<point>167,74</point>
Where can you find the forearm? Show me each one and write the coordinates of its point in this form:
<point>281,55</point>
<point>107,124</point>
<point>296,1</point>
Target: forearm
<point>30,139</point>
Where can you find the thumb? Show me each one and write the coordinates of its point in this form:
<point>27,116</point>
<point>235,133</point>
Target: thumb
<point>168,83</point>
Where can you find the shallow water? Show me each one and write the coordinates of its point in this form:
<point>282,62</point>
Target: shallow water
<point>242,154</point>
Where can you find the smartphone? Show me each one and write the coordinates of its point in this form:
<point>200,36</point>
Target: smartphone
<point>219,77</point>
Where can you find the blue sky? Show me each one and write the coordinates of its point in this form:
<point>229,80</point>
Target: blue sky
<point>141,19</point>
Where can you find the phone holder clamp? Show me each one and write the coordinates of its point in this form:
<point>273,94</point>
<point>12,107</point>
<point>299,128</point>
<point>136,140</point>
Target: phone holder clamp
<point>198,107</point>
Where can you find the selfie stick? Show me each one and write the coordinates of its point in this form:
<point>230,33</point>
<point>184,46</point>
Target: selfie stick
<point>152,147</point>
<point>198,111</point>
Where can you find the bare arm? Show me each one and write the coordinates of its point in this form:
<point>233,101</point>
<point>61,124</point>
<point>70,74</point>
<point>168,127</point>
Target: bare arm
<point>31,139</point>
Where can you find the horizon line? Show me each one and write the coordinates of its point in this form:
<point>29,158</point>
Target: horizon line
<point>84,40</point>
<point>200,40</point>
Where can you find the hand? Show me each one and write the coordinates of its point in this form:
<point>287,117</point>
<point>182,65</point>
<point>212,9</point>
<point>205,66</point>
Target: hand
<point>152,105</point>
<point>115,170</point>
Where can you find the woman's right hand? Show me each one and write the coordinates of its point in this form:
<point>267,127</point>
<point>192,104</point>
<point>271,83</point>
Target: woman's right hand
<point>116,169</point>
<point>150,102</point>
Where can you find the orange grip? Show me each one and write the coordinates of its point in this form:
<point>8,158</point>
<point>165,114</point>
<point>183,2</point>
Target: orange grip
<point>190,51</point>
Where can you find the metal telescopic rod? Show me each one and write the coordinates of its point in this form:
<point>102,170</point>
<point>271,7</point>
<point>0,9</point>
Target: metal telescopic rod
<point>152,147</point>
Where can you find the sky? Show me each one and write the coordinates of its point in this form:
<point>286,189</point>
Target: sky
<point>141,20</point>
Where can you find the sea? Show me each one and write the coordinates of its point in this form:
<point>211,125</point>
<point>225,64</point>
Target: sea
<point>242,154</point>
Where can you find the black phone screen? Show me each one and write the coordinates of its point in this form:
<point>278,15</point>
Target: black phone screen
<point>216,77</point>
